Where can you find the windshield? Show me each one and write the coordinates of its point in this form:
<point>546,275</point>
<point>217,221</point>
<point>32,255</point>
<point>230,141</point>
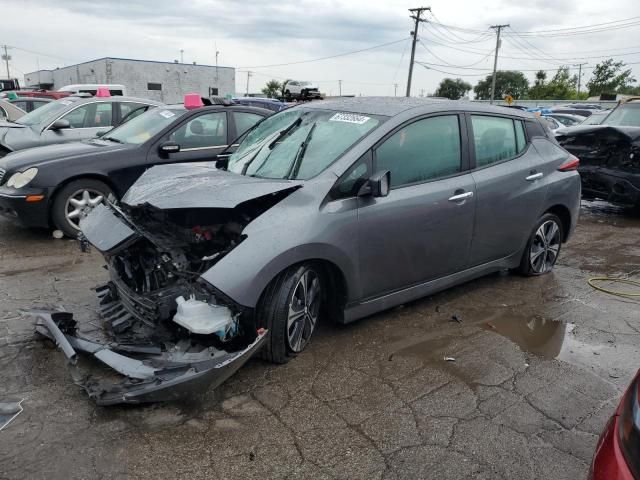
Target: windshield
<point>625,116</point>
<point>299,143</point>
<point>141,128</point>
<point>595,119</point>
<point>46,113</point>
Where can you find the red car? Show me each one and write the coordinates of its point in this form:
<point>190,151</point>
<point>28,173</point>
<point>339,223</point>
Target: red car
<point>617,454</point>
<point>41,94</point>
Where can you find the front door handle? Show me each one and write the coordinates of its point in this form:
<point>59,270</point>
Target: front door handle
<point>461,197</point>
<point>534,177</point>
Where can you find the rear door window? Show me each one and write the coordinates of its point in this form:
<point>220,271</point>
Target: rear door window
<point>495,139</point>
<point>244,121</point>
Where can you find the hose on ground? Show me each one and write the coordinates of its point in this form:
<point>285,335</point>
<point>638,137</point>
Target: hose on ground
<point>592,283</point>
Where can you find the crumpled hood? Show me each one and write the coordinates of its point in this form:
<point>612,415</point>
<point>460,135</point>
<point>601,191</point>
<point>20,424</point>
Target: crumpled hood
<point>632,134</point>
<point>34,157</point>
<point>200,185</point>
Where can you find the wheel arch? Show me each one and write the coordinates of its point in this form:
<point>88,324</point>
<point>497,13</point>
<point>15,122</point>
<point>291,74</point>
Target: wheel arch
<point>564,214</point>
<point>93,176</point>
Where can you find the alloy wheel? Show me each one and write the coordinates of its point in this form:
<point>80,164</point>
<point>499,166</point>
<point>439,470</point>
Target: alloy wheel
<point>80,204</point>
<point>545,247</point>
<point>304,309</point>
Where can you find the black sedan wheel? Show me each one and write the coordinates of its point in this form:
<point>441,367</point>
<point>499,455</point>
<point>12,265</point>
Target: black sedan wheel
<point>290,309</point>
<point>74,201</point>
<point>543,247</point>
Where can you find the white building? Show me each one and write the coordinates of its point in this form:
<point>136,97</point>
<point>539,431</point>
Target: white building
<point>163,81</point>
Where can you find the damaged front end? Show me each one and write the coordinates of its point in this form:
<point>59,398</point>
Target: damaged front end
<point>166,332</point>
<point>609,161</point>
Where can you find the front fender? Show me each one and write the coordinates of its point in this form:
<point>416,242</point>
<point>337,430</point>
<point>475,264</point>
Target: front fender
<point>242,276</point>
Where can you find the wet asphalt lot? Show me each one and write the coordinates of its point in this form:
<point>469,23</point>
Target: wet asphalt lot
<point>539,366</point>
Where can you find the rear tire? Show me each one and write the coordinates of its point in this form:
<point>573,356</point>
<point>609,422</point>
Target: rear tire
<point>74,200</point>
<point>543,248</point>
<point>290,308</point>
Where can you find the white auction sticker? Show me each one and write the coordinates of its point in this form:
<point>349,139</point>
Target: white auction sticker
<point>167,114</point>
<point>349,118</point>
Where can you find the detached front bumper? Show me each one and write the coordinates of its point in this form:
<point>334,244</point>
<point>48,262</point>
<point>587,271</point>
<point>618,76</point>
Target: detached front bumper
<point>29,206</point>
<point>147,372</point>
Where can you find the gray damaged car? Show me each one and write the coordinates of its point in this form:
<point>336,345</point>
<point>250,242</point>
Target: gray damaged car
<point>334,210</point>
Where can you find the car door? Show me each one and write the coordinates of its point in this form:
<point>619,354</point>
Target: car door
<point>509,186</point>
<point>85,121</point>
<point>201,138</point>
<point>422,229</point>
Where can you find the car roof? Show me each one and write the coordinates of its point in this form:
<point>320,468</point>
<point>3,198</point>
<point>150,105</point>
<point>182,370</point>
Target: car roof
<point>244,108</point>
<point>392,106</point>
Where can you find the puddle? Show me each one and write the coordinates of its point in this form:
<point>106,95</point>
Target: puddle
<point>535,334</point>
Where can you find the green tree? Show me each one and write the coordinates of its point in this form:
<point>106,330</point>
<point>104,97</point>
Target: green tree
<point>539,84</point>
<point>562,85</point>
<point>507,83</point>
<point>452,89</point>
<point>272,88</point>
<point>609,77</point>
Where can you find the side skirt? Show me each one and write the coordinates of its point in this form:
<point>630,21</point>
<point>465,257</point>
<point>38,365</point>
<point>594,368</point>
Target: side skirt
<point>360,310</point>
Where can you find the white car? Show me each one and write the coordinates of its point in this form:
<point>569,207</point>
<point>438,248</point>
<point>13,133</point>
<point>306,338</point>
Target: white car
<point>301,90</point>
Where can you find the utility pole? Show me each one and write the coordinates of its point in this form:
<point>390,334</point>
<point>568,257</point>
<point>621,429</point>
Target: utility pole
<point>340,88</point>
<point>498,29</point>
<point>248,77</point>
<point>215,46</point>
<point>416,13</point>
<point>579,65</point>
<point>181,56</point>
<point>6,58</point>
<point>395,89</point>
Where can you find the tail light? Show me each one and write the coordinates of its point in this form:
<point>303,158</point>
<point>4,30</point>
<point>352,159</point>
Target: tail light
<point>571,164</point>
<point>629,428</point>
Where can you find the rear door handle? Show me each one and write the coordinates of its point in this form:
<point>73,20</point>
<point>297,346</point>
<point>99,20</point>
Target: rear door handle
<point>534,177</point>
<point>461,196</point>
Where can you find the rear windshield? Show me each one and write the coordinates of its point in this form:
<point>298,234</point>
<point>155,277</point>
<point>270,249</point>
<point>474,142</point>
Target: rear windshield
<point>46,113</point>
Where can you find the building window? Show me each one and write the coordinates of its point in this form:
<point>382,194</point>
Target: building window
<point>154,86</point>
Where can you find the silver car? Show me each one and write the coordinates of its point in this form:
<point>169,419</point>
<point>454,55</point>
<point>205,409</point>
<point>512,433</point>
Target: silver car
<point>69,119</point>
<point>327,211</point>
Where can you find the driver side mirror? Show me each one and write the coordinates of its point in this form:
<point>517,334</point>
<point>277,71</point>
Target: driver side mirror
<point>60,124</point>
<point>168,147</point>
<point>378,185</point>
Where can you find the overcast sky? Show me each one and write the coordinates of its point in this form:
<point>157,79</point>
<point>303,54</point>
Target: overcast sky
<point>254,33</point>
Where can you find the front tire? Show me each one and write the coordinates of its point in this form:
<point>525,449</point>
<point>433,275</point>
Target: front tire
<point>74,200</point>
<point>543,247</point>
<point>290,310</point>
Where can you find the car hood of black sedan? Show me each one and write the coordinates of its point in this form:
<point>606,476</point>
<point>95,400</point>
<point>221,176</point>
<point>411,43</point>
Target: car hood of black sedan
<point>200,185</point>
<point>39,156</point>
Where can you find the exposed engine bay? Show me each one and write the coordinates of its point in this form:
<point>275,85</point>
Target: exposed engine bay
<point>166,331</point>
<point>609,161</point>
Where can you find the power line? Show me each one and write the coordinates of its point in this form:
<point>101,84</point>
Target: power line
<point>452,65</point>
<point>329,57</point>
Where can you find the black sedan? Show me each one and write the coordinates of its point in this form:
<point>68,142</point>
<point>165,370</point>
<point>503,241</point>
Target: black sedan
<point>56,185</point>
